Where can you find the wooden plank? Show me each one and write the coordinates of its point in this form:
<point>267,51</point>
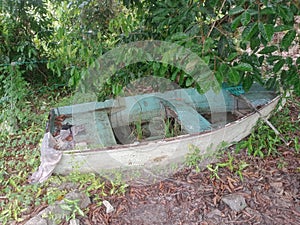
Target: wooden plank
<point>191,121</point>
<point>104,129</point>
<point>135,108</point>
<point>210,101</point>
<point>97,130</point>
<point>83,108</point>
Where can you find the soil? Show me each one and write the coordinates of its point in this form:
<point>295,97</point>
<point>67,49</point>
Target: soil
<point>270,187</point>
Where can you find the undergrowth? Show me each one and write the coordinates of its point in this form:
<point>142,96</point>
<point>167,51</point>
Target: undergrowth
<point>20,157</point>
<point>262,143</point>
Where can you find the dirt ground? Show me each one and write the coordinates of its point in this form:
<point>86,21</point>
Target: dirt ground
<point>270,187</point>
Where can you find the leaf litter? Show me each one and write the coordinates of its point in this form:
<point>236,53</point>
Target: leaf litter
<point>270,189</point>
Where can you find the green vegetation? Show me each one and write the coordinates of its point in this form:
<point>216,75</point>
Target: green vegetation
<point>49,48</point>
<point>56,44</point>
<point>20,157</point>
<point>263,142</point>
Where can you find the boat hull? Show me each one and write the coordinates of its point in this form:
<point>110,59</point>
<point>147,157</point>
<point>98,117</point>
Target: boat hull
<point>161,153</point>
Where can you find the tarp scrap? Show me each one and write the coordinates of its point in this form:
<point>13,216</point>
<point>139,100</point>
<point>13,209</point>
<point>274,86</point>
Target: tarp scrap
<point>50,157</point>
<point>51,152</point>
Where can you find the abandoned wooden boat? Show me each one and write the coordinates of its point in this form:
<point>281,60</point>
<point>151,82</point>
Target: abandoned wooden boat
<point>152,130</point>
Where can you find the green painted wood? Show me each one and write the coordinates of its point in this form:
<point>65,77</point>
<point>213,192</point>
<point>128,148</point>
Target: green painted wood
<point>104,129</point>
<point>141,108</point>
<point>96,129</point>
<point>136,108</point>
<point>103,117</point>
<point>191,121</point>
<point>218,102</point>
<point>84,107</point>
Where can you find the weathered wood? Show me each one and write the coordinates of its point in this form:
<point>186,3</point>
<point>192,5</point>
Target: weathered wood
<point>159,153</point>
<point>152,106</point>
<point>191,121</point>
<point>101,119</point>
<point>96,129</point>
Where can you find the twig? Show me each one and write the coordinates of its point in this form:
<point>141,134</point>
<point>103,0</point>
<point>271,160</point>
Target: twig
<point>214,23</point>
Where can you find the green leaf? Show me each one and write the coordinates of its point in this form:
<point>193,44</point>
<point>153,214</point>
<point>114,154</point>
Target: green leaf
<point>271,59</point>
<point>261,60</point>
<point>223,46</point>
<point>298,61</point>
<point>288,39</point>
<point>268,49</point>
<point>223,68</point>
<point>181,79</point>
<point>208,44</point>
<point>280,28</point>
<point>245,18</point>
<point>235,23</point>
<point>247,82</point>
<point>285,13</point>
<point>236,10</point>
<point>289,61</point>
<point>243,67</point>
<point>206,59</point>
<point>250,31</point>
<point>233,76</point>
<point>232,56</point>
<point>278,65</point>
<point>267,11</point>
<point>254,43</point>
<point>79,211</point>
<point>266,30</point>
<point>189,81</point>
<point>271,82</point>
<point>219,76</point>
<point>66,207</point>
<point>174,74</point>
<point>179,36</point>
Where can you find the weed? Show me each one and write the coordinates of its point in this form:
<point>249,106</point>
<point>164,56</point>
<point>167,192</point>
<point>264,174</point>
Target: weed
<point>228,163</point>
<point>73,207</point>
<point>264,142</point>
<point>231,163</point>
<point>240,167</point>
<point>213,171</point>
<point>52,217</point>
<point>193,158</point>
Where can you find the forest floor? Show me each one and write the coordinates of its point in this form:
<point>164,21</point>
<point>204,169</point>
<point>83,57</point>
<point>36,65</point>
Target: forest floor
<point>268,193</point>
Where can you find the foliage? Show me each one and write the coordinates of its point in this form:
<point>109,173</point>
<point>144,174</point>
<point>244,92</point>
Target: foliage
<point>234,37</point>
<point>80,29</point>
<point>57,42</point>
<point>195,157</point>
<point>73,207</point>
<point>264,142</point>
<point>21,23</point>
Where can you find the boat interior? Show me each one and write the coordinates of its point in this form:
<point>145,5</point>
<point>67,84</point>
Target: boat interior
<point>153,116</point>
